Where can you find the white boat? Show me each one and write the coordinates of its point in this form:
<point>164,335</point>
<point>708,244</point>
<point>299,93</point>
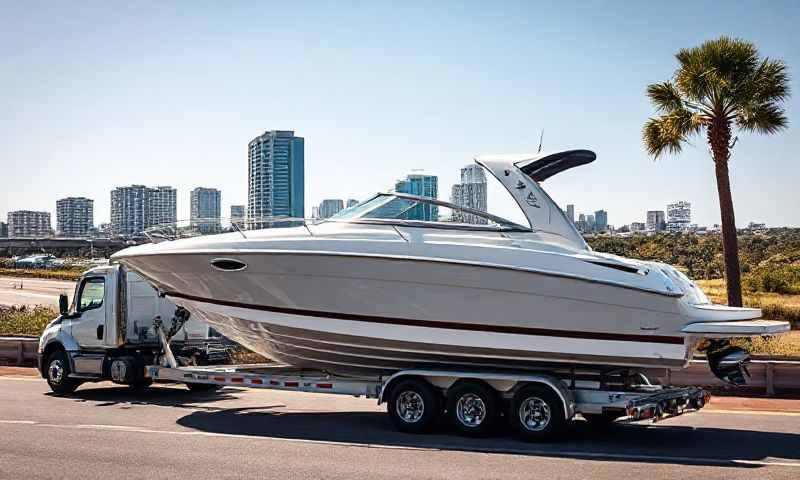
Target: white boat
<point>396,282</point>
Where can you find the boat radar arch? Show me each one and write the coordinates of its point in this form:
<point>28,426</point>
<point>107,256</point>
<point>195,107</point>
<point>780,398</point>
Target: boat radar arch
<point>521,175</point>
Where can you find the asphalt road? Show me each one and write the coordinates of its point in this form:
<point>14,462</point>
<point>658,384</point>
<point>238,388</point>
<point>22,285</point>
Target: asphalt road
<point>105,430</point>
<point>29,291</point>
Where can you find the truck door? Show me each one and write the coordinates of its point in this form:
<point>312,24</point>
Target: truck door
<point>88,325</point>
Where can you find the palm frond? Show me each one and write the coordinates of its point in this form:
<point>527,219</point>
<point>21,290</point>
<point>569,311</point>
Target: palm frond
<point>767,118</point>
<point>667,133</point>
<point>715,68</point>
<point>665,96</point>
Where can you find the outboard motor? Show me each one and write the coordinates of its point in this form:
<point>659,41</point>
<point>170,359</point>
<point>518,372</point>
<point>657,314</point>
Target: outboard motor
<point>727,362</point>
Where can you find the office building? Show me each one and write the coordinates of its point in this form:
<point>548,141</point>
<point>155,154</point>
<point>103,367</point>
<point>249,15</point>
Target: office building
<point>601,220</point>
<point>206,209</point>
<point>74,217</point>
<point>351,202</point>
<point>655,221</point>
<point>679,216</point>
<point>423,186</point>
<point>29,224</point>
<point>638,227</point>
<point>275,176</point>
<point>571,213</point>
<point>330,207</point>
<point>136,208</point>
<point>3,230</point>
<point>237,214</point>
<point>470,193</point>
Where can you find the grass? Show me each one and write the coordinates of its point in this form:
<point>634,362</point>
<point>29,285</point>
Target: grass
<point>25,320</point>
<point>70,274</point>
<point>775,306</point>
<point>243,356</point>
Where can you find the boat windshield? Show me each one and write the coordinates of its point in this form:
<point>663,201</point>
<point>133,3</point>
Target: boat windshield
<point>412,209</point>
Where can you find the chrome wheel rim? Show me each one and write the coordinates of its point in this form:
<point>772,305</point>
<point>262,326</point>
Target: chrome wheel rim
<point>470,410</point>
<point>410,406</point>
<point>56,371</point>
<point>534,414</point>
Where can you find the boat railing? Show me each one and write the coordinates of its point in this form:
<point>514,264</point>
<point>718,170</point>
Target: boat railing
<point>196,227</point>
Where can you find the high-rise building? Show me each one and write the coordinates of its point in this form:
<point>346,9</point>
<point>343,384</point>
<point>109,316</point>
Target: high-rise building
<point>638,226</point>
<point>275,175</point>
<point>351,202</point>
<point>163,206</point>
<point>571,213</point>
<point>655,221</point>
<point>423,186</point>
<point>206,209</point>
<point>679,216</point>
<point>330,207</point>
<point>237,214</point>
<point>28,224</point>
<point>590,222</point>
<point>136,207</point>
<point>470,193</point>
<point>601,220</point>
<point>74,216</point>
<point>3,230</point>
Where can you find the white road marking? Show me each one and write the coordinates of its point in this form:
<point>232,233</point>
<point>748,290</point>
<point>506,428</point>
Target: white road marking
<point>432,448</point>
<point>753,412</point>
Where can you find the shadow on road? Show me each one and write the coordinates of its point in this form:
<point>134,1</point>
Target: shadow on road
<point>676,445</point>
<point>178,397</point>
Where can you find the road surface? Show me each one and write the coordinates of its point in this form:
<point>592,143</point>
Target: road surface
<point>30,291</point>
<point>171,432</point>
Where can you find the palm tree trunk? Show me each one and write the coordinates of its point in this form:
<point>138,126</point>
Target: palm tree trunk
<point>719,135</point>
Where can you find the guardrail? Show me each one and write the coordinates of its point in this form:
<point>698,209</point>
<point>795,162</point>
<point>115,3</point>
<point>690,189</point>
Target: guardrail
<point>21,350</point>
<point>764,374</point>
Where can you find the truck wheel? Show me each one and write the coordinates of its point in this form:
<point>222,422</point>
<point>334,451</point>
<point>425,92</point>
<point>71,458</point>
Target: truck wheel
<point>537,414</point>
<point>202,387</point>
<point>473,407</point>
<point>58,374</point>
<point>413,405</point>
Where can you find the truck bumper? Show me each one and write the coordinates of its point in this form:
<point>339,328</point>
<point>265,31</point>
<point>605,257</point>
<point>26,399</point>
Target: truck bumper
<point>40,365</point>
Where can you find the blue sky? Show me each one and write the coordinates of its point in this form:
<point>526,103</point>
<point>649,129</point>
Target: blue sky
<point>102,94</point>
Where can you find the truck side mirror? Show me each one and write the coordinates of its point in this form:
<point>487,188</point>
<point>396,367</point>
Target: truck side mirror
<point>63,304</point>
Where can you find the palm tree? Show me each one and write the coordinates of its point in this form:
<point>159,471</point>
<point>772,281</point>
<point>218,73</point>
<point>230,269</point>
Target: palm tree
<point>720,85</point>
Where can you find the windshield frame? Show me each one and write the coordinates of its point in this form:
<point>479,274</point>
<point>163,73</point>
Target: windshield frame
<point>500,223</point>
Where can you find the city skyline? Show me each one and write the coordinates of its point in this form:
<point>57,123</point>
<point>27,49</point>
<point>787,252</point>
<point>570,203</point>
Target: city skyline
<point>402,100</point>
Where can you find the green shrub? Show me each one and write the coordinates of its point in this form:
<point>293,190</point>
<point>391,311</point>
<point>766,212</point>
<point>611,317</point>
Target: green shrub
<point>25,320</point>
<point>773,278</point>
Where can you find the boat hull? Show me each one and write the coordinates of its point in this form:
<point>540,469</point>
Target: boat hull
<point>358,347</point>
<point>363,314</point>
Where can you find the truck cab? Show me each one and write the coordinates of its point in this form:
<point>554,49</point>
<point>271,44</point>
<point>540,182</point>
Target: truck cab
<point>109,332</point>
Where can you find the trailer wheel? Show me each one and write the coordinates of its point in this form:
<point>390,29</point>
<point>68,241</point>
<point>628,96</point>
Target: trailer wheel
<point>413,405</point>
<point>537,414</point>
<point>202,387</point>
<point>58,374</point>
<point>473,407</point>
